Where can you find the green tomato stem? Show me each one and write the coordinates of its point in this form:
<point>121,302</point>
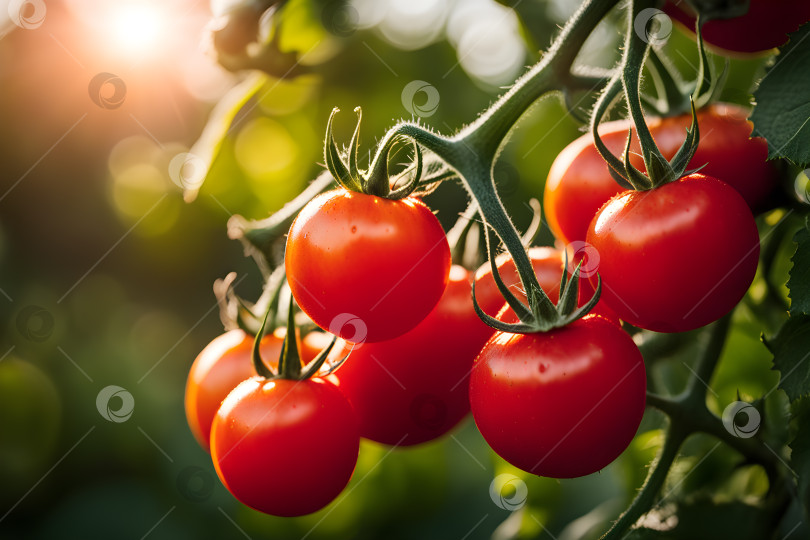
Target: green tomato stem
<point>475,171</point>
<point>636,49</point>
<point>646,497</point>
<point>696,418</point>
<point>258,236</point>
<point>487,134</point>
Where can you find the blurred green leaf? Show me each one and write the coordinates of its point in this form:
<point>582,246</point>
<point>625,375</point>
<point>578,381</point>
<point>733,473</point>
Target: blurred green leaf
<point>791,348</point>
<point>219,124</point>
<point>30,417</point>
<point>783,103</point>
<point>799,282</point>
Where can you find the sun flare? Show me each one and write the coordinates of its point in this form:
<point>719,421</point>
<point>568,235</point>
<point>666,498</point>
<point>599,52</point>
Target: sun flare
<point>138,28</point>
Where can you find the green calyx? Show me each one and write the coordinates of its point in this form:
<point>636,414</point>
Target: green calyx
<point>422,176</point>
<point>540,314</point>
<point>627,80</point>
<point>289,363</point>
<point>375,180</point>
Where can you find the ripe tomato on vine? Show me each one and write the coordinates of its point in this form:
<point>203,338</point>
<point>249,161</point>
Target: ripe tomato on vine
<point>266,430</point>
<point>561,404</point>
<point>365,267</point>
<point>697,230</point>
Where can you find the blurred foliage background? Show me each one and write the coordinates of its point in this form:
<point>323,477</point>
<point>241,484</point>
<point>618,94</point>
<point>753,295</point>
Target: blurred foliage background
<point>106,274</point>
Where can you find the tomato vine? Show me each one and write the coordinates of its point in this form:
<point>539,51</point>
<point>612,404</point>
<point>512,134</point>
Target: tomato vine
<point>470,156</point>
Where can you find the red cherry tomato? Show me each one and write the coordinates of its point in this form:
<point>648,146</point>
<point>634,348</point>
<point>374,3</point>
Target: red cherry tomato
<point>579,182</point>
<point>548,265</point>
<point>676,257</point>
<point>563,403</point>
<point>414,388</point>
<point>364,267</point>
<point>219,368</point>
<point>285,448</point>
<point>766,25</point>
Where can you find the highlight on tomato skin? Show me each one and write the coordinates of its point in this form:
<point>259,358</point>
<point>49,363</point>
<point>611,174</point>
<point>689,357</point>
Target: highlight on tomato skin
<point>563,403</point>
<point>693,247</point>
<point>364,267</point>
<point>286,448</point>
<point>218,369</point>
<point>413,389</point>
<point>579,183</point>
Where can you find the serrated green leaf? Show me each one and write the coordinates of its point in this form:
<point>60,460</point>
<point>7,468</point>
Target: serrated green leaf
<point>799,282</point>
<point>782,114</point>
<point>791,356</point>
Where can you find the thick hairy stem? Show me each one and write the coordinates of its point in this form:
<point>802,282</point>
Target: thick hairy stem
<point>486,135</point>
<point>695,417</point>
<point>652,485</point>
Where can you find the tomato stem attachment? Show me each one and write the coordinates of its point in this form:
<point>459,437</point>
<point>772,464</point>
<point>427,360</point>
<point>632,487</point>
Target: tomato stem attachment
<point>289,362</point>
<point>376,179</point>
<point>659,170</point>
<point>673,99</point>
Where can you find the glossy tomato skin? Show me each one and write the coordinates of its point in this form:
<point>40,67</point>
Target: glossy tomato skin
<point>218,369</point>
<point>563,403</point>
<point>676,257</point>
<point>579,183</point>
<point>285,448</point>
<point>765,26</point>
<point>364,267</point>
<point>548,264</point>
<point>413,389</point>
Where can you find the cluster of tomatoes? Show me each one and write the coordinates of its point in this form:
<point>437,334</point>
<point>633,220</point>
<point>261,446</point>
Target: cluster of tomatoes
<point>377,274</point>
